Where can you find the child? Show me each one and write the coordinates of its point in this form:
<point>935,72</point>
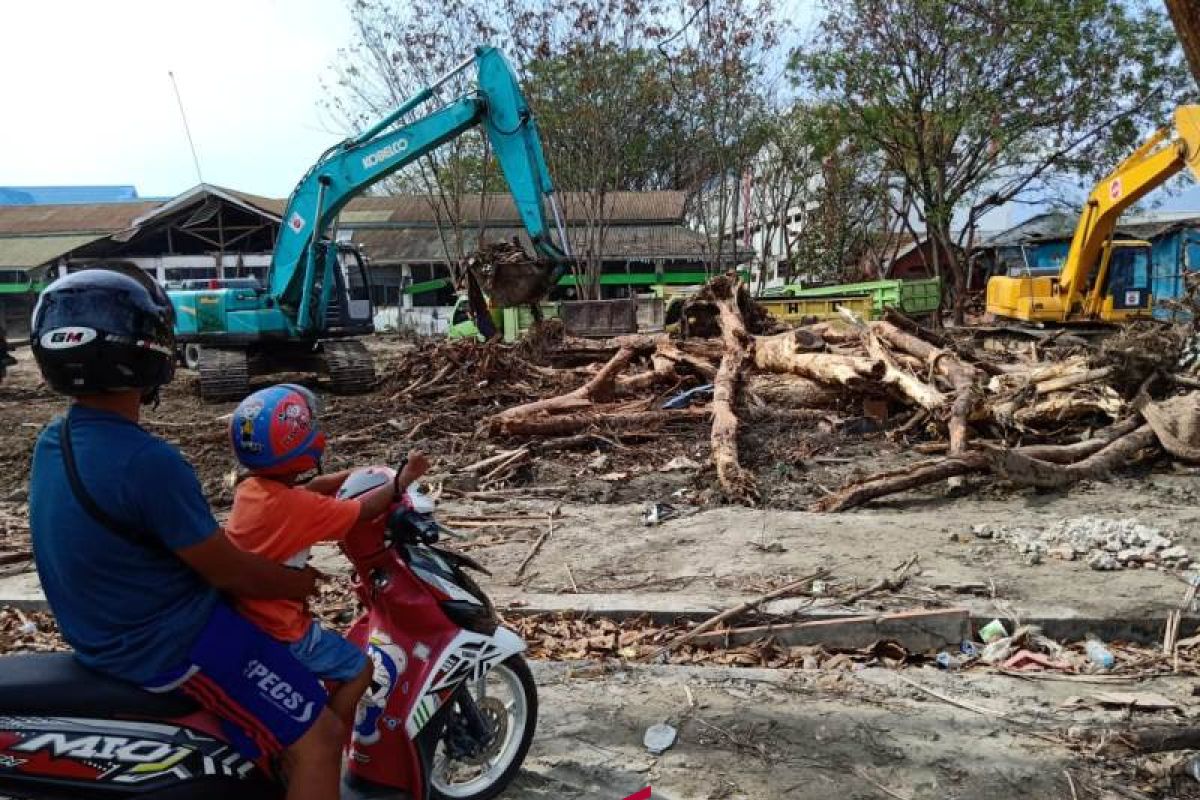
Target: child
<point>276,437</point>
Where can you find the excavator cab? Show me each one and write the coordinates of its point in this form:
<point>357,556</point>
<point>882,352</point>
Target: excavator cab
<point>1126,279</point>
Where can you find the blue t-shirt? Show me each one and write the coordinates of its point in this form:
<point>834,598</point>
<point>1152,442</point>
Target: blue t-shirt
<point>128,610</point>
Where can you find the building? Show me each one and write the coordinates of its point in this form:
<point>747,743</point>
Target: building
<point>644,244</point>
<point>215,232</point>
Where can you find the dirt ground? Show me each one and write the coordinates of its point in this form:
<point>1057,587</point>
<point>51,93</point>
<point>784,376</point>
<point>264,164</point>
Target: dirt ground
<point>811,735</point>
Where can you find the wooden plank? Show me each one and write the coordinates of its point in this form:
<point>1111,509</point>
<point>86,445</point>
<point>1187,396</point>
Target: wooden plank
<point>916,631</point>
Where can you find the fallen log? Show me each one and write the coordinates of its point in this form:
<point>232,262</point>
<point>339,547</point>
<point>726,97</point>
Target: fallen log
<point>779,354</point>
<point>927,472</point>
<point>963,378</point>
<point>912,387</point>
<point>694,363</point>
<point>662,372</point>
<point>901,480</point>
<point>1070,453</point>
<point>1059,406</point>
<point>737,482</point>
<point>1021,469</point>
<point>1073,379</point>
<point>601,387</point>
<point>792,391</point>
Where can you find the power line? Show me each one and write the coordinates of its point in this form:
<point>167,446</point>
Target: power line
<point>186,128</point>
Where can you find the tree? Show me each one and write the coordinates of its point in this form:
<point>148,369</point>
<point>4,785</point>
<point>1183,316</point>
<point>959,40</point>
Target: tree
<point>719,65</point>
<point>398,49</point>
<point>973,104</point>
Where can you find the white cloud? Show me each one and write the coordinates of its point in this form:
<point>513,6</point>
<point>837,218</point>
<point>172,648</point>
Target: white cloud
<point>88,101</point>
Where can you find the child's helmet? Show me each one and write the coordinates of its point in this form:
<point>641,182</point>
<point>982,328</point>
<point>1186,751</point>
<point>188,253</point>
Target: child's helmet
<point>275,431</point>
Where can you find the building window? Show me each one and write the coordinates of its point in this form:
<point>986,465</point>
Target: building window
<point>176,274</point>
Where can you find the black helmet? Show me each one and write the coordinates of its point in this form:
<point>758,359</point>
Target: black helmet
<point>104,329</point>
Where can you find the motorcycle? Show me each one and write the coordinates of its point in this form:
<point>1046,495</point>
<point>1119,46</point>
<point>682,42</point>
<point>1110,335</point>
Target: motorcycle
<point>450,713</point>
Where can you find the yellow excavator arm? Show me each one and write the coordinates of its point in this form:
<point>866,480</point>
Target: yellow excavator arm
<point>1081,292</point>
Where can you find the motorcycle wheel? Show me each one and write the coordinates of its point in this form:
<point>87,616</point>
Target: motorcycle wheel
<point>516,693</point>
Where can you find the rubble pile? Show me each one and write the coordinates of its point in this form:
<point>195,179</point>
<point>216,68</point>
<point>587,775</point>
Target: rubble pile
<point>1105,544</point>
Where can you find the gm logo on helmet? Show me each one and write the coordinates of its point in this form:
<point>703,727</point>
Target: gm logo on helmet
<point>66,338</point>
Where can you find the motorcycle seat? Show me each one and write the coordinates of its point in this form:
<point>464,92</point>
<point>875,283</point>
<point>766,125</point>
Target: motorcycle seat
<point>57,684</point>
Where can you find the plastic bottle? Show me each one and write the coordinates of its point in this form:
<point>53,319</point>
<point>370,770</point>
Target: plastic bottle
<point>1098,654</point>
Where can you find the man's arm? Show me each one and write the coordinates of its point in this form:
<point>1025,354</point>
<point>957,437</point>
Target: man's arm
<point>235,571</point>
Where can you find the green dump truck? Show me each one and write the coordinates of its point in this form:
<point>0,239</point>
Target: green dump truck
<point>917,298</point>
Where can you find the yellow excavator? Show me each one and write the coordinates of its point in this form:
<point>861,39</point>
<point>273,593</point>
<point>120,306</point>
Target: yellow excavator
<point>1104,280</point>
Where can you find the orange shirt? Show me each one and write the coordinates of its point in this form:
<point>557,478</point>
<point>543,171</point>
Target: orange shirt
<point>279,522</point>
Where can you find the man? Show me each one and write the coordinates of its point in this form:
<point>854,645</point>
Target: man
<point>130,557</point>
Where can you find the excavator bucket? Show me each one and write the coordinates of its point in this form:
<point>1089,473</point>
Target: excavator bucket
<point>508,276</point>
<point>1187,126</point>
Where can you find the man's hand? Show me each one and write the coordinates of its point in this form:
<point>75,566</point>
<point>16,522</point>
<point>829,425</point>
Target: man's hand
<point>230,569</point>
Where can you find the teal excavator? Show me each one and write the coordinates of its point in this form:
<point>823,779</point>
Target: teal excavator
<point>317,297</point>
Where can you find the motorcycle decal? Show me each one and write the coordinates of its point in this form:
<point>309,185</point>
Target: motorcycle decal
<point>390,662</point>
<point>111,751</point>
<point>470,656</point>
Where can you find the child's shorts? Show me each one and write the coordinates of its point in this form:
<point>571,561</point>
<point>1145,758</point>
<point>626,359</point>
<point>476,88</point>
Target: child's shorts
<point>328,656</point>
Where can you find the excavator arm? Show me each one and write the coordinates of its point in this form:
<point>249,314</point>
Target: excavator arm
<point>301,275</point>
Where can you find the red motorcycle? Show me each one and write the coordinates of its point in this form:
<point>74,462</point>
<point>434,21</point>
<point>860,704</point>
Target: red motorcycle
<point>450,713</point>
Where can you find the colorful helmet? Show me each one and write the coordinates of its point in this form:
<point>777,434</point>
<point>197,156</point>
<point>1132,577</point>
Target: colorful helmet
<point>275,432</point>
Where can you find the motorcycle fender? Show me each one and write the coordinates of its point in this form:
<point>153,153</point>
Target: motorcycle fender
<point>468,656</point>
<point>508,642</point>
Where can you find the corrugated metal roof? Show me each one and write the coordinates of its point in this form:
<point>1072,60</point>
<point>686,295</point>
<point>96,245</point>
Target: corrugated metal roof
<point>24,252</point>
<point>402,245</point>
<point>72,218</point>
<point>621,207</point>
<point>1051,225</point>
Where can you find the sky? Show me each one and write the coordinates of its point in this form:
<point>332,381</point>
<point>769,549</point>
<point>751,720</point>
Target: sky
<point>88,100</point>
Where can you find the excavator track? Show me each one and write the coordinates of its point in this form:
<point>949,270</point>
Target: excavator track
<point>224,374</point>
<point>350,366</point>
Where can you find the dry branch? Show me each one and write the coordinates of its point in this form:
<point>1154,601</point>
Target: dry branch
<point>568,424</point>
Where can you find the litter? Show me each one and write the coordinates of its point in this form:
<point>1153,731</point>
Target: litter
<point>659,738</point>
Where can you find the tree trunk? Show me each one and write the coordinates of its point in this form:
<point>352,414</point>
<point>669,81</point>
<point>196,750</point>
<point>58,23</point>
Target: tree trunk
<point>1096,457</point>
<point>662,372</point>
<point>963,378</point>
<point>921,393</point>
<point>792,391</point>
<point>736,481</point>
<point>1021,469</point>
<point>778,354</point>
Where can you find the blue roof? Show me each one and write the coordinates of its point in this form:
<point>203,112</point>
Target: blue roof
<point>56,195</point>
